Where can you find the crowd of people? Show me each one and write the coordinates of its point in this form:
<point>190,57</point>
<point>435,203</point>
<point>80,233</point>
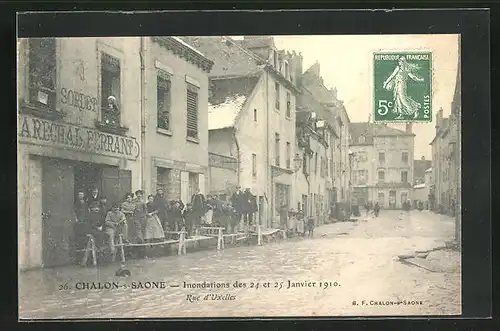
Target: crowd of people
<point>141,220</point>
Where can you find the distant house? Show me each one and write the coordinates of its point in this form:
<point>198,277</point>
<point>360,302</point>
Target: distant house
<point>382,167</point>
<point>419,168</point>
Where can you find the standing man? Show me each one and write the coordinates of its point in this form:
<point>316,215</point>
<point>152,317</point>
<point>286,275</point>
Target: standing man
<point>249,206</point>
<point>237,202</point>
<point>162,206</point>
<point>94,197</point>
<point>199,204</point>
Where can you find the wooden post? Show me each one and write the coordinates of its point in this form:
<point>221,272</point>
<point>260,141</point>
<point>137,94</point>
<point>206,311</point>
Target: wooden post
<point>182,244</point>
<point>259,235</point>
<point>220,239</point>
<point>122,250</point>
<point>94,257</point>
<point>284,234</point>
<point>88,248</point>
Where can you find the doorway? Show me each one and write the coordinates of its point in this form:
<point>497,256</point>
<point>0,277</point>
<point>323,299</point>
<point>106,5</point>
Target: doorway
<point>57,211</point>
<point>87,176</point>
<point>392,199</point>
<point>261,209</point>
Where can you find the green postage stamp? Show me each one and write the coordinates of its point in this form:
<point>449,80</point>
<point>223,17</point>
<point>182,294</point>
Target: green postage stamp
<point>402,86</point>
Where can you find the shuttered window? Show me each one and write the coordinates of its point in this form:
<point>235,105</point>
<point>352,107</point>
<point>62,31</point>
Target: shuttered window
<point>192,111</point>
<point>42,72</point>
<point>163,100</point>
<point>110,86</point>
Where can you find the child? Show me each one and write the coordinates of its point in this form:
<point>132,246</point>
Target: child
<point>310,226</point>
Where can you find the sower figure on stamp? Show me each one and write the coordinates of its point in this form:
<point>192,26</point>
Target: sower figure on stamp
<point>397,82</point>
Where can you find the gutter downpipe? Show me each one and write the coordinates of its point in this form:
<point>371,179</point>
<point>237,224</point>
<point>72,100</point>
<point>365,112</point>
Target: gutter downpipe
<point>143,113</point>
<point>238,163</point>
<point>268,163</point>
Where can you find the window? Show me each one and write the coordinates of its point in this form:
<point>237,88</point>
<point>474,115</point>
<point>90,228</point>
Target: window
<point>275,59</point>
<point>163,178</point>
<point>286,70</point>
<point>315,163</point>
<point>277,149</point>
<point>361,177</point>
<point>361,139</point>
<point>404,176</point>
<point>304,163</point>
<point>381,157</point>
<point>110,86</point>
<point>381,176</point>
<point>362,157</point>
<point>277,95</point>
<point>192,111</point>
<point>163,100</point>
<point>288,105</point>
<point>42,72</point>
<point>322,167</point>
<point>288,154</point>
<point>404,157</point>
<point>255,115</point>
<point>254,165</point>
<point>332,169</point>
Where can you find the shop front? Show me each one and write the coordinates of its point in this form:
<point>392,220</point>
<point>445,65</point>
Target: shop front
<point>57,160</point>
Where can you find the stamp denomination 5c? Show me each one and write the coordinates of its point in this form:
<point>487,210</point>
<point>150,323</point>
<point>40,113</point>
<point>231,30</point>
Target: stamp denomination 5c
<point>402,86</point>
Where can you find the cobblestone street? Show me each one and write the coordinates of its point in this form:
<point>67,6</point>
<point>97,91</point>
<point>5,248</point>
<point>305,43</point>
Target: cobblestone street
<point>357,260</point>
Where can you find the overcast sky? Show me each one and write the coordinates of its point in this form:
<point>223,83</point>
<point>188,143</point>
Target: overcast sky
<point>345,64</point>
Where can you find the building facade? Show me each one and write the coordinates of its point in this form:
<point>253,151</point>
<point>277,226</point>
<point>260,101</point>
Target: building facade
<point>382,164</point>
<point>69,139</point>
<point>337,121</point>
<point>251,120</point>
<point>420,167</point>
<point>445,165</point>
<point>175,118</point>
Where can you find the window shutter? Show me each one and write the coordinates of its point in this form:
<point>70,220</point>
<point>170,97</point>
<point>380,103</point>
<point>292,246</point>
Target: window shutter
<point>185,198</point>
<point>192,111</point>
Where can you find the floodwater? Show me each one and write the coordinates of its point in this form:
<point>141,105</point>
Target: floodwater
<point>347,269</point>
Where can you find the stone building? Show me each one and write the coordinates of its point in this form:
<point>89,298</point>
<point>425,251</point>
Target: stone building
<point>69,139</point>
<point>175,117</point>
<point>337,121</point>
<point>318,141</point>
<point>251,120</point>
<point>446,157</point>
<point>382,166</point>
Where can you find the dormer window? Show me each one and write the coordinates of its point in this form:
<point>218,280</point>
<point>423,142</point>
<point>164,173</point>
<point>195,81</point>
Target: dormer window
<point>361,139</point>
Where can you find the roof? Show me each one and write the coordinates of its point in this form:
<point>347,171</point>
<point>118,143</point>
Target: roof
<point>227,100</point>
<point>370,130</point>
<point>181,48</point>
<point>420,166</point>
<point>223,115</point>
<point>231,59</point>
<point>307,103</point>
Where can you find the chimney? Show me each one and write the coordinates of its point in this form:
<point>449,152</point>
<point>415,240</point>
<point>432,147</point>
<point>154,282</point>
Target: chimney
<point>315,69</point>
<point>409,127</point>
<point>296,67</point>
<point>439,118</point>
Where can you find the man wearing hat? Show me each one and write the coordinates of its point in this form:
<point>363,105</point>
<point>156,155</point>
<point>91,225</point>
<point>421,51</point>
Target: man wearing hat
<point>237,200</point>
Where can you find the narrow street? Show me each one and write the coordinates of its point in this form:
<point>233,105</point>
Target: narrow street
<point>357,260</point>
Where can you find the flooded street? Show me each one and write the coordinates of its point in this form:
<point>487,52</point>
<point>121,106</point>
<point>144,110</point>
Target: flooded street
<point>347,269</point>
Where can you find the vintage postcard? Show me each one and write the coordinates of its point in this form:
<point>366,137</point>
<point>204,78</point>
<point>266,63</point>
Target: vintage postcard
<point>239,176</point>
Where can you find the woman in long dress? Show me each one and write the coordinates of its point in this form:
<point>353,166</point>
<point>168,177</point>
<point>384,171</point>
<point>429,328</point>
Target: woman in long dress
<point>128,208</point>
<point>398,83</point>
<point>154,229</point>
